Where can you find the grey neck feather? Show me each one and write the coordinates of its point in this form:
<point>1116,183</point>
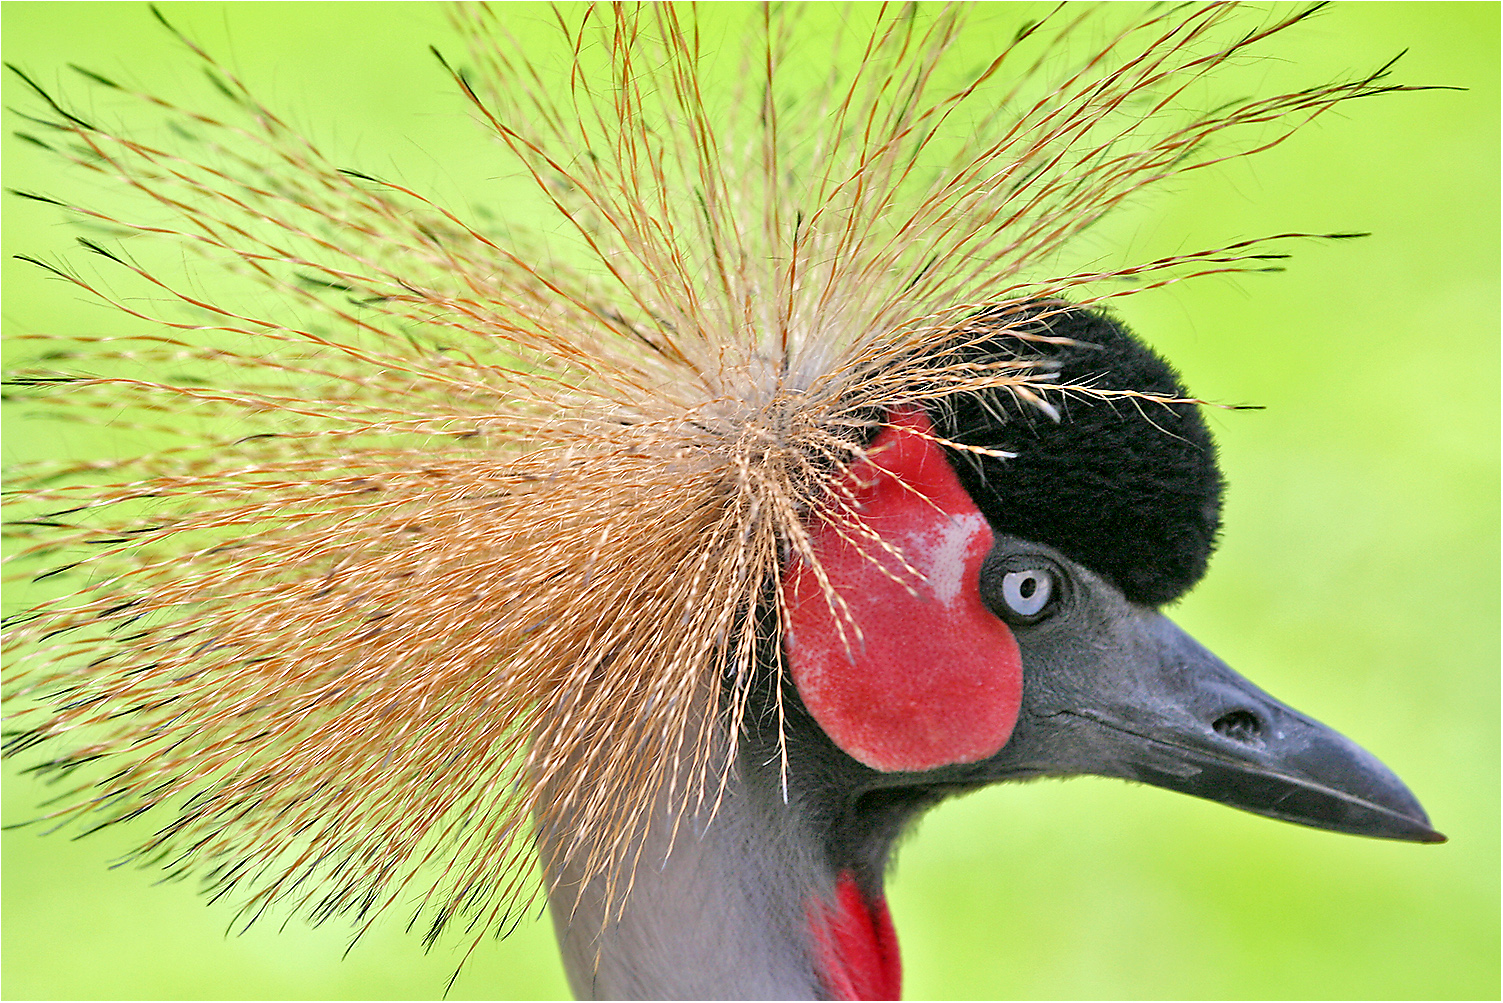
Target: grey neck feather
<point>716,912</point>
<point>720,908</point>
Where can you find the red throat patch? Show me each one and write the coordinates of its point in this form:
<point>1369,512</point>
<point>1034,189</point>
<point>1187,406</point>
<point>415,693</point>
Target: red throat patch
<point>855,945</point>
<point>925,675</point>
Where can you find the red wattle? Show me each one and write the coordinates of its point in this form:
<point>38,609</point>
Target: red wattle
<point>855,944</point>
<point>925,675</point>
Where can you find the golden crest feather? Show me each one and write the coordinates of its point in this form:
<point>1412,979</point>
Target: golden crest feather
<point>374,611</point>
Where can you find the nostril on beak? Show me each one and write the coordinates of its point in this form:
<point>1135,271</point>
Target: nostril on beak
<point>1240,726</point>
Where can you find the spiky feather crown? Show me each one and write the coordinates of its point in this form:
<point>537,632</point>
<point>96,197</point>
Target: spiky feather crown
<point>475,524</point>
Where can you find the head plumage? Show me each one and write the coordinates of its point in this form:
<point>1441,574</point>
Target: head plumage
<point>472,523</point>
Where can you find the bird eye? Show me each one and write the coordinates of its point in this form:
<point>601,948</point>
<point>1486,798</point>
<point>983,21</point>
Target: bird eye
<point>1027,595</point>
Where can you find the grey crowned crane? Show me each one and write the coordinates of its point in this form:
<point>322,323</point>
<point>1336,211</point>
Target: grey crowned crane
<point>703,543</point>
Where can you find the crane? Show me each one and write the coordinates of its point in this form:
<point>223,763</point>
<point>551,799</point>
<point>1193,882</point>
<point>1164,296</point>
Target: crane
<point>1033,318</point>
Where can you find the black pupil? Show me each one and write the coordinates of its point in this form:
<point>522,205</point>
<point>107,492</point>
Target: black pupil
<point>1028,586</point>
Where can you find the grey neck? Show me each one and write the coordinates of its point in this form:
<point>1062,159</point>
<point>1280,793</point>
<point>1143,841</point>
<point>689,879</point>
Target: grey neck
<point>718,911</point>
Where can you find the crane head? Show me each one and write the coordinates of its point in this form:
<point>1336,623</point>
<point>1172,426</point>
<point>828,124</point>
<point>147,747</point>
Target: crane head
<point>1003,619</point>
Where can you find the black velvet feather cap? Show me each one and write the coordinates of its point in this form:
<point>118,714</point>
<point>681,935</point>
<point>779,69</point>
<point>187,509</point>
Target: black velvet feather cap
<point>1127,487</point>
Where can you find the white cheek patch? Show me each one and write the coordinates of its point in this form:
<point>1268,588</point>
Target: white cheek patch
<point>942,555</point>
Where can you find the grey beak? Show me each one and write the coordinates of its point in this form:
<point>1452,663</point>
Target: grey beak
<point>1161,709</point>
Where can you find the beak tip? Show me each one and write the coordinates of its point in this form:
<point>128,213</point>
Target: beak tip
<point>1406,822</point>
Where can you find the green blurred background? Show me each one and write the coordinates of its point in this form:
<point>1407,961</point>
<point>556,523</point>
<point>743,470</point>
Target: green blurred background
<point>1358,578</point>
